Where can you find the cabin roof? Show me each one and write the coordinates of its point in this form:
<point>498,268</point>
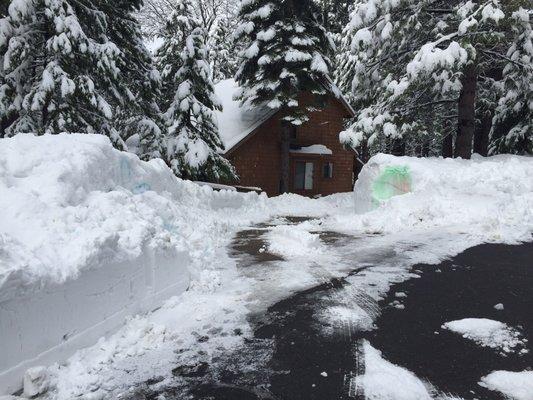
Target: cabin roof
<point>236,123</point>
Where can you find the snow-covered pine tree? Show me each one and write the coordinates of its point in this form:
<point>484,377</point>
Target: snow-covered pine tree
<point>513,121</point>
<point>410,82</point>
<point>286,54</point>
<point>60,70</point>
<point>138,117</point>
<point>335,14</point>
<point>223,50</point>
<point>193,141</point>
<point>345,62</point>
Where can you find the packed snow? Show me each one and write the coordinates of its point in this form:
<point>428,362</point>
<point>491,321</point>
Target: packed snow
<point>514,385</point>
<point>489,333</point>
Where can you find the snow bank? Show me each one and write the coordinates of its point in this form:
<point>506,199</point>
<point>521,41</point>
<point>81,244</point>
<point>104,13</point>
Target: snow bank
<point>383,380</point>
<point>89,235</point>
<point>514,385</point>
<point>488,333</point>
<point>489,197</point>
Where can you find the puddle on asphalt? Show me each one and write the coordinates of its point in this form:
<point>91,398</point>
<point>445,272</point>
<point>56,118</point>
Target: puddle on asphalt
<point>251,248</point>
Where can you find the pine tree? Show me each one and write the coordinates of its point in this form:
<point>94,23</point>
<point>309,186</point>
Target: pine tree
<point>60,69</point>
<point>223,50</point>
<point>513,127</point>
<point>345,62</point>
<point>335,14</point>
<point>138,117</point>
<point>193,142</point>
<point>410,82</point>
<point>285,55</point>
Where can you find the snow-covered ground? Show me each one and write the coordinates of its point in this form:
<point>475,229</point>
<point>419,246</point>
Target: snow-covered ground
<point>90,235</point>
<point>73,205</point>
<point>489,333</point>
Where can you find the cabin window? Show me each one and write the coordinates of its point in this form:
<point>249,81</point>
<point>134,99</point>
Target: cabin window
<point>303,177</point>
<point>328,170</point>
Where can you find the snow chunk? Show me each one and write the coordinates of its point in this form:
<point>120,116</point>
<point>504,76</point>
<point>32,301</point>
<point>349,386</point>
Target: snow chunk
<point>499,307</point>
<point>295,241</point>
<point>383,380</point>
<point>487,333</point>
<point>36,381</point>
<point>514,385</point>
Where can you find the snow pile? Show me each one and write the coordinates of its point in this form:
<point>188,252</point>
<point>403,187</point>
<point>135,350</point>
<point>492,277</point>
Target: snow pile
<point>488,333</point>
<point>70,202</point>
<point>296,241</point>
<point>90,235</point>
<point>514,385</point>
<point>383,380</point>
<point>490,198</point>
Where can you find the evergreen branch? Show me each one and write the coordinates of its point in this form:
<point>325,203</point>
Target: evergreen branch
<point>496,54</point>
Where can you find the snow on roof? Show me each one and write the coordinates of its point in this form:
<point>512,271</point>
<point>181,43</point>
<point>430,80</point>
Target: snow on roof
<point>313,149</point>
<point>234,121</point>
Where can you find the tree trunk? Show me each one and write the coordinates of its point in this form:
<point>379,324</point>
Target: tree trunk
<point>447,146</point>
<point>398,147</point>
<point>447,141</point>
<point>481,135</point>
<point>467,113</point>
<point>361,159</point>
<point>6,123</point>
<point>286,130</point>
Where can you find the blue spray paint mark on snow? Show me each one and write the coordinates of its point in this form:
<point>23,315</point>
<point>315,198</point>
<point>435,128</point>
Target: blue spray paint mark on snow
<point>141,188</point>
<point>126,178</point>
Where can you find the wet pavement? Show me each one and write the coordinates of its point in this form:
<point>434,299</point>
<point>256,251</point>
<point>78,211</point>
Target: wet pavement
<point>468,286</point>
<point>293,355</point>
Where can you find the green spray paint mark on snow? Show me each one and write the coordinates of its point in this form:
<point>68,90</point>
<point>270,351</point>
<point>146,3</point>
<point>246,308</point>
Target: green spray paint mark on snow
<point>393,181</point>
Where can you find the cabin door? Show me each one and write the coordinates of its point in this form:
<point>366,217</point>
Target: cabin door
<point>303,176</point>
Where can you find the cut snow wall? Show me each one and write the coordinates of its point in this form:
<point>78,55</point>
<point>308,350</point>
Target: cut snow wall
<point>89,235</point>
<point>48,325</point>
<point>378,182</point>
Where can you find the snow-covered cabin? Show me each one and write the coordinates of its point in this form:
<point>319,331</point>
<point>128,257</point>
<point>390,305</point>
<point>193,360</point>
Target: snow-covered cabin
<point>319,165</point>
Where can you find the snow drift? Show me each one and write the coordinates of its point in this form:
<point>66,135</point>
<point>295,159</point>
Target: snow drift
<point>89,235</point>
<point>490,196</point>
